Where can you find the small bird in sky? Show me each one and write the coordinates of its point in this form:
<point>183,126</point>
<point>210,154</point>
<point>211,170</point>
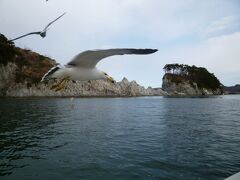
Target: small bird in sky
<point>83,66</point>
<point>41,33</point>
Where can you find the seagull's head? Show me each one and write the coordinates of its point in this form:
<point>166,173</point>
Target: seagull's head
<point>107,77</point>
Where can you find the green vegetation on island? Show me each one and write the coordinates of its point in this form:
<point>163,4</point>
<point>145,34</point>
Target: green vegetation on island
<point>7,50</point>
<point>198,75</point>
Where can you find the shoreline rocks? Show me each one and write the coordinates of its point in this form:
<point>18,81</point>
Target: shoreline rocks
<point>185,88</point>
<point>99,88</point>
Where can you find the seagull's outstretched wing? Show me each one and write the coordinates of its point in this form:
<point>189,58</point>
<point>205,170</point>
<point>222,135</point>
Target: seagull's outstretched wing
<point>42,33</point>
<point>45,29</point>
<point>26,35</point>
<point>92,57</point>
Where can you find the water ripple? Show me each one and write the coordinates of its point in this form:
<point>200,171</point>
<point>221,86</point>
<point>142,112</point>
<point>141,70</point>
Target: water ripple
<point>128,138</point>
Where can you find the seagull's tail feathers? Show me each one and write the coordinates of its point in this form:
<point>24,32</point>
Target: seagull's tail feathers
<point>49,74</point>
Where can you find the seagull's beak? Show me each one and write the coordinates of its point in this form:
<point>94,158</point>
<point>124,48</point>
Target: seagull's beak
<point>109,78</point>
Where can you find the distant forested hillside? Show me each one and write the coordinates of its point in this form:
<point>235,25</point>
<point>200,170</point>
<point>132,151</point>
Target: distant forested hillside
<point>232,89</point>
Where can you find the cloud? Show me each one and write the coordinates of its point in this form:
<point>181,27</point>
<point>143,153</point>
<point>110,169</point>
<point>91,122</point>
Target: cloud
<point>224,25</point>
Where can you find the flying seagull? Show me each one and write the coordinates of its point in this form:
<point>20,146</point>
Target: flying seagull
<point>83,66</point>
<point>41,33</point>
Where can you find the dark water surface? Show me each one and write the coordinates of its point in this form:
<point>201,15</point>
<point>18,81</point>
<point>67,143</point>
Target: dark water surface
<point>120,138</point>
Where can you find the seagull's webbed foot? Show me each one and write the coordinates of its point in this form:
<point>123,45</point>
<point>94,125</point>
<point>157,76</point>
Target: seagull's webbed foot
<point>60,85</point>
<point>56,85</point>
<point>110,79</point>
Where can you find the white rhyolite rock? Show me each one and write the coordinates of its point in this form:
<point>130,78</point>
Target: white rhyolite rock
<point>7,77</point>
<point>99,88</point>
<point>185,88</point>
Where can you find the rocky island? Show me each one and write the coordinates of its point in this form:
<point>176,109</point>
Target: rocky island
<point>185,80</point>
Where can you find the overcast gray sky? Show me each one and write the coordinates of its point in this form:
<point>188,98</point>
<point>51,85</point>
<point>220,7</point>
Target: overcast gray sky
<point>204,33</point>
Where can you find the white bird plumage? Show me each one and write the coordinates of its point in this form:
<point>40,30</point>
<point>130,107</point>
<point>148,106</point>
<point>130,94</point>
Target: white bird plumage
<point>83,66</point>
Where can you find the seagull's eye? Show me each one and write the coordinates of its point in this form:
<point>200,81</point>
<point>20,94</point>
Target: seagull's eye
<point>105,74</point>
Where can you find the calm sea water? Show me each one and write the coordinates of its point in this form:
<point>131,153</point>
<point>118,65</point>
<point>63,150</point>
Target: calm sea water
<point>120,138</point>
